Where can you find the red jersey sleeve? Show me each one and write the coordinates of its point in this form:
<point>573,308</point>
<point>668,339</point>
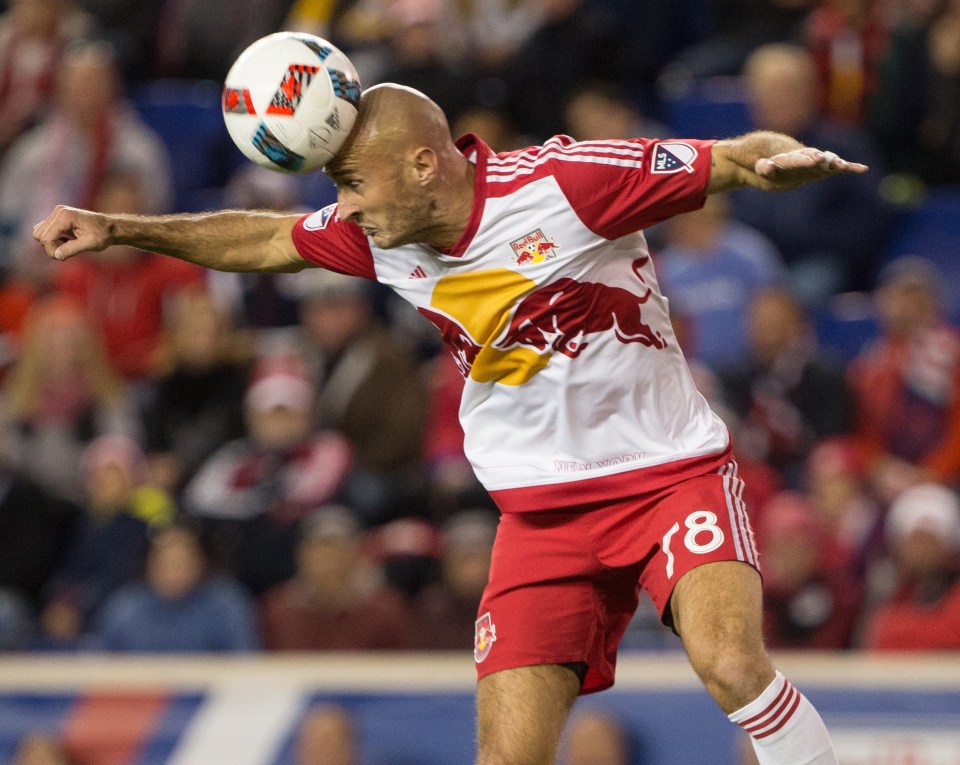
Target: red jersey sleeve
<point>325,240</point>
<point>620,186</point>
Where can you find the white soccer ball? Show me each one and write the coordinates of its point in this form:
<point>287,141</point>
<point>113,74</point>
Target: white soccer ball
<point>290,100</point>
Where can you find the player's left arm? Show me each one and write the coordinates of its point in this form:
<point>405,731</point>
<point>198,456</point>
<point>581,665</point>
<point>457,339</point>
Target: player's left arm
<point>772,162</point>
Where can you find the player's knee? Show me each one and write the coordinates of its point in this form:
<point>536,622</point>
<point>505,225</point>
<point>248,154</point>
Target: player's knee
<point>734,674</point>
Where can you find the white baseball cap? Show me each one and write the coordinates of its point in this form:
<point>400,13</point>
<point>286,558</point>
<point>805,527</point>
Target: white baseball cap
<point>927,507</point>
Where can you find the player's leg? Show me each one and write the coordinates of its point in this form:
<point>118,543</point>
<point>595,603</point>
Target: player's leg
<point>717,611</point>
<point>520,713</point>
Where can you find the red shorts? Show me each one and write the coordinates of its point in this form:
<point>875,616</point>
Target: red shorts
<point>564,584</point>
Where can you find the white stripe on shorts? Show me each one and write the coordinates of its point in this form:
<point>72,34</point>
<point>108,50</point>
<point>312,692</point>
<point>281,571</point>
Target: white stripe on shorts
<point>742,534</point>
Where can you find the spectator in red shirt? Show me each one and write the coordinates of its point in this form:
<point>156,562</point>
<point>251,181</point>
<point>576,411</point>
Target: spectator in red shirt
<point>123,289</point>
<point>852,519</point>
<point>907,383</point>
<point>334,600</point>
<point>808,603</point>
<point>253,491</point>
<point>923,529</point>
<point>60,394</point>
<point>33,37</point>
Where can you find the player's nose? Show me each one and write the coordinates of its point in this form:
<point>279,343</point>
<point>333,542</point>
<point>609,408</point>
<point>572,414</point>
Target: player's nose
<point>345,206</point>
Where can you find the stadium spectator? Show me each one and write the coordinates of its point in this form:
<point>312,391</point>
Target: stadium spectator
<point>496,29</point>
<point>729,30</point>
<point>848,40</point>
<point>251,493</point>
<point>197,401</point>
<point>447,609</point>
<point>60,394</point>
<point>360,28</point>
<point>923,532</point>
<point>809,602</point>
<point>35,530</point>
<point>125,290</point>
<point>595,737</point>
<point>130,27</point>
<point>600,110</point>
<point>907,382</point>
<point>408,552</point>
<point>327,736</point>
<point>711,266</point>
<point>940,122</point>
<point>200,39</point>
<point>835,480</point>
<point>33,36</point>
<point>422,46</point>
<point>789,394</point>
<point>828,234</point>
<point>492,125</point>
<point>574,43</point>
<point>914,113</point>
<point>370,388</point>
<point>181,605</point>
<point>111,542</point>
<point>335,600</point>
<point>68,157</point>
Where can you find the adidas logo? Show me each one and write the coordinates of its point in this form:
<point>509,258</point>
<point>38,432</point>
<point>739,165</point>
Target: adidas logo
<point>418,273</point>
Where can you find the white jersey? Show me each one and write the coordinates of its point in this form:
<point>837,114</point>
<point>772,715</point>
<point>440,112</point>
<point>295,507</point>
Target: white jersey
<point>575,387</point>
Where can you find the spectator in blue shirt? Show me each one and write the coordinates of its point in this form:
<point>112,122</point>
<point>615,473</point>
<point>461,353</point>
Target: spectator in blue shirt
<point>180,606</point>
<point>711,266</point>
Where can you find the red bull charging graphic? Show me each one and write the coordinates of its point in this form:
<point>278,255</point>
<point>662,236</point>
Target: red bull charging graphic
<point>502,327</point>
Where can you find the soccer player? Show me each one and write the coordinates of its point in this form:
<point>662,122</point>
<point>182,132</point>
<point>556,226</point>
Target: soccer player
<point>580,415</point>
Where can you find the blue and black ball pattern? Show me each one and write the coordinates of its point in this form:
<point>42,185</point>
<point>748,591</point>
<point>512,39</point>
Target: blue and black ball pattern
<point>322,51</point>
<point>268,145</point>
<point>344,87</point>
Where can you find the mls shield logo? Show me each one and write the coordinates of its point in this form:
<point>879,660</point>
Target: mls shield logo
<point>321,218</point>
<point>672,157</point>
<point>484,636</point>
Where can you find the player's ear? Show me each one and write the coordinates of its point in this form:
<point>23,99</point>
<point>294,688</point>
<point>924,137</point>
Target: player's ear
<point>425,164</point>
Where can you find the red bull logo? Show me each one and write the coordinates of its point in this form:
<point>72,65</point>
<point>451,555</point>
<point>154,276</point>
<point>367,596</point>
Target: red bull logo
<point>484,636</point>
<point>502,327</point>
<point>558,316</point>
<point>535,247</point>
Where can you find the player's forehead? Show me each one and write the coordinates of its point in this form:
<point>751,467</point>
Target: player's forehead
<point>361,157</point>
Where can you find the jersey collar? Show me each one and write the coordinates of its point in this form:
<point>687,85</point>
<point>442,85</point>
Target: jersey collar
<point>477,152</point>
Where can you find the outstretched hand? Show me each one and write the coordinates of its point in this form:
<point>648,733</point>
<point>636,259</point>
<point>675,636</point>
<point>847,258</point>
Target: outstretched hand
<point>794,168</point>
<point>68,231</point>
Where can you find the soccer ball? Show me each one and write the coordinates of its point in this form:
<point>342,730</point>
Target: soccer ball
<point>290,100</point>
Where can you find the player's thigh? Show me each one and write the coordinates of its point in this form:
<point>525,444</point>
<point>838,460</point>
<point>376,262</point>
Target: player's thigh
<point>719,602</point>
<point>718,612</point>
<point>520,713</point>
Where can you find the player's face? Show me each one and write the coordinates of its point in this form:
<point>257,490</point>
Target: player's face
<point>375,193</point>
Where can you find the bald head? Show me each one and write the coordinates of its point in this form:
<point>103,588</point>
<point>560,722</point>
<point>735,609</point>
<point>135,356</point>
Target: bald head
<point>393,120</point>
<point>782,87</point>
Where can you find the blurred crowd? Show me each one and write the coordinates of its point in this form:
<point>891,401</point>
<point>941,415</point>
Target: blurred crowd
<point>200,461</point>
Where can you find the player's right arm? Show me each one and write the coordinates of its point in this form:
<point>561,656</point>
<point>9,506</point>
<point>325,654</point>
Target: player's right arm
<point>231,240</point>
